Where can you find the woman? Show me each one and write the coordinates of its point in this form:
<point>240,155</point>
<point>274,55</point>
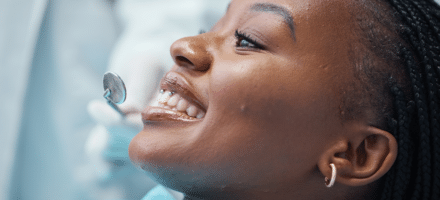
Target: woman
<point>280,95</point>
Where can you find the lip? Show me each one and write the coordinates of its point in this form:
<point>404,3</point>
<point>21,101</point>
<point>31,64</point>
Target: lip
<point>173,82</point>
<point>152,113</point>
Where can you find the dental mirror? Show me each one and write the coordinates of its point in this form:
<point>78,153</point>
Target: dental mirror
<point>114,90</point>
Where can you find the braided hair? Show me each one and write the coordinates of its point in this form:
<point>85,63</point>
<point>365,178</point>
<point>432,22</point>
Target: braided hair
<point>415,174</point>
<point>411,86</point>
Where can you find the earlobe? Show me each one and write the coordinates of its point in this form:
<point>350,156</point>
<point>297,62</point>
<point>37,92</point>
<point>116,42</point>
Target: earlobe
<point>361,158</point>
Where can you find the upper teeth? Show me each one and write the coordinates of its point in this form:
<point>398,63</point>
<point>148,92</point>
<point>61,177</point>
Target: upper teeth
<point>174,101</point>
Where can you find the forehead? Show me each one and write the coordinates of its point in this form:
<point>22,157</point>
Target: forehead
<point>308,13</point>
<point>298,6</point>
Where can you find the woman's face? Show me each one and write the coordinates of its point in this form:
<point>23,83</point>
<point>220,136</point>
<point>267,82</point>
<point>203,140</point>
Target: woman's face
<point>264,87</point>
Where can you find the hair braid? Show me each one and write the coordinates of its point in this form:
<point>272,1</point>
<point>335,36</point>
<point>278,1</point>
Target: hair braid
<point>425,146</point>
<point>403,163</point>
<point>416,39</point>
<point>415,99</point>
<point>416,173</point>
<point>435,50</point>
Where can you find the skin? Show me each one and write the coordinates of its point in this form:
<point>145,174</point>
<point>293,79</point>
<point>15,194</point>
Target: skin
<point>272,122</point>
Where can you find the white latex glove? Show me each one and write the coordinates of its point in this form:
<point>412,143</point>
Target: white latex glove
<point>141,84</point>
<point>111,126</point>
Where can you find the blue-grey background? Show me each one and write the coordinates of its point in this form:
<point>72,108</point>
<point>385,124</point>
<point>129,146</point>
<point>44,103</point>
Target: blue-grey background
<point>53,54</point>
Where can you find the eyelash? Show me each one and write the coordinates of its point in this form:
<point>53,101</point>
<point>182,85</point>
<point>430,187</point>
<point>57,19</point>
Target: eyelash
<point>240,36</point>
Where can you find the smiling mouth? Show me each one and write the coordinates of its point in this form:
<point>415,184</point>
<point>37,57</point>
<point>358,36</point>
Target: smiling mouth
<point>175,102</point>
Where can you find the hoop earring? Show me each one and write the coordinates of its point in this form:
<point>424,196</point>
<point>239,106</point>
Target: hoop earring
<point>331,182</point>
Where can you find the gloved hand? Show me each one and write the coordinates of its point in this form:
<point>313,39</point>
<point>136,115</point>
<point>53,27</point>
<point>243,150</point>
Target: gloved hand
<point>107,145</point>
<point>109,140</point>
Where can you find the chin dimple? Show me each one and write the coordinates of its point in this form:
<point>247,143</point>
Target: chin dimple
<point>174,101</point>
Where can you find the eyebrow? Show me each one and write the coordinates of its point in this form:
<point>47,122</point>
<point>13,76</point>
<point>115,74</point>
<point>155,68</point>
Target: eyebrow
<point>278,10</point>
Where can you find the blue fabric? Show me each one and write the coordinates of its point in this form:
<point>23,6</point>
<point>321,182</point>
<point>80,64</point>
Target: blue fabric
<point>158,193</point>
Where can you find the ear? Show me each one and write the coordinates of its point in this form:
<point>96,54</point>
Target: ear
<point>362,157</point>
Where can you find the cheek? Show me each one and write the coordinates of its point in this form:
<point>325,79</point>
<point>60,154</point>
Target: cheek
<point>275,108</point>
<point>266,92</point>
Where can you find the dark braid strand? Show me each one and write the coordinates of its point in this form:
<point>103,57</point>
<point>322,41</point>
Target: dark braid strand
<point>420,22</point>
<point>402,173</point>
<point>402,38</point>
<point>433,72</point>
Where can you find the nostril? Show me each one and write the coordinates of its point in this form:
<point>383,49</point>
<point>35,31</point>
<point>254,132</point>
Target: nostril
<point>191,53</point>
<point>181,60</point>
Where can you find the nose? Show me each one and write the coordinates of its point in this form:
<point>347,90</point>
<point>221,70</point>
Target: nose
<point>192,53</point>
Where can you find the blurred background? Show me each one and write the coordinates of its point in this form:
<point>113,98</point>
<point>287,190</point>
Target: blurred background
<point>59,139</point>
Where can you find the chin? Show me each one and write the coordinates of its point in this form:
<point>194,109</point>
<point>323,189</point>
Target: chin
<point>159,161</point>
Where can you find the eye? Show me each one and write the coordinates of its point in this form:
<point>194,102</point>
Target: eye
<point>245,41</point>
